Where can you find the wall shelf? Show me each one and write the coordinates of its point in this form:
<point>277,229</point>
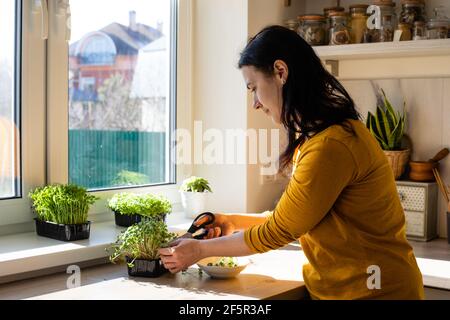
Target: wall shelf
<point>388,60</point>
<point>384,50</point>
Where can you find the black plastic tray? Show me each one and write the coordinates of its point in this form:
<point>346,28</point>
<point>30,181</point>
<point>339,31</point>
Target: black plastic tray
<point>146,268</point>
<point>63,232</point>
<point>123,220</point>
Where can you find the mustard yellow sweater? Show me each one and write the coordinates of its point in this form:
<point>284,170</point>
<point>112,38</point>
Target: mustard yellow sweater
<point>342,203</point>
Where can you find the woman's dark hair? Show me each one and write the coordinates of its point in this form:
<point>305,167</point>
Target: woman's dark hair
<point>313,99</point>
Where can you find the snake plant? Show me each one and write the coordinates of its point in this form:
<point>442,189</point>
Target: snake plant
<point>387,125</point>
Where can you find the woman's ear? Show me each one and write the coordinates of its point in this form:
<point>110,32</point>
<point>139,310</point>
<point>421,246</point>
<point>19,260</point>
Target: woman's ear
<point>281,71</point>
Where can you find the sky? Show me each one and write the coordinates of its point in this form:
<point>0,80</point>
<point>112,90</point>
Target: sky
<point>91,15</point>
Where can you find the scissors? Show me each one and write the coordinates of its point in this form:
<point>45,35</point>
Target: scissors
<point>202,220</point>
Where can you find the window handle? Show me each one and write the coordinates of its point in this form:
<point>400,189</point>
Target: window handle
<point>40,6</point>
<point>68,22</point>
<point>63,10</point>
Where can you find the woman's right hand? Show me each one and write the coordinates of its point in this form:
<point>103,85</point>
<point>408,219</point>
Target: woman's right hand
<point>222,226</point>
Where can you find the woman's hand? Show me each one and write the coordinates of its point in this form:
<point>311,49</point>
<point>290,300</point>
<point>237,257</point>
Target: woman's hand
<point>185,252</point>
<point>222,226</point>
<point>182,254</point>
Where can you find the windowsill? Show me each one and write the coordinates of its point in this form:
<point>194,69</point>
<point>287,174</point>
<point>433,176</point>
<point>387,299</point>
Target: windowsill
<point>26,254</point>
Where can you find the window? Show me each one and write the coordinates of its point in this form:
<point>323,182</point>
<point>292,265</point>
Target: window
<point>121,93</point>
<point>9,101</point>
<point>93,104</point>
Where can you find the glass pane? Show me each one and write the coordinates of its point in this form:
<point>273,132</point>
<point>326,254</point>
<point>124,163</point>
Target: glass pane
<point>9,129</point>
<point>119,91</point>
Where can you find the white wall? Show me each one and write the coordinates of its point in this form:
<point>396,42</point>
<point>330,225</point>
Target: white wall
<point>219,99</point>
<point>428,108</point>
<point>261,14</point>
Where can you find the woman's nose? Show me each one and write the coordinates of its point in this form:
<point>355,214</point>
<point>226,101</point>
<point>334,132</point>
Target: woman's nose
<point>256,104</point>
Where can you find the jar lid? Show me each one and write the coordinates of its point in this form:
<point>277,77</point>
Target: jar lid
<point>359,6</point>
<point>311,17</point>
<point>328,9</point>
<point>338,14</point>
<point>386,3</point>
<point>413,2</point>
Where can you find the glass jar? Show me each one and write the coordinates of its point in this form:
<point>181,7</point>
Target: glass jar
<point>387,29</point>
<point>326,14</point>
<point>388,22</point>
<point>438,26</point>
<point>291,24</point>
<point>419,31</point>
<point>412,11</point>
<point>312,29</point>
<point>406,31</point>
<point>358,22</point>
<point>339,32</point>
<point>328,10</point>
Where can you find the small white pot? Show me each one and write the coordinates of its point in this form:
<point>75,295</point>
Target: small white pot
<point>194,203</point>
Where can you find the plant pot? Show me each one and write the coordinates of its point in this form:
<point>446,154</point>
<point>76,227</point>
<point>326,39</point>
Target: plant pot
<point>124,220</point>
<point>146,268</point>
<point>194,203</point>
<point>63,232</point>
<point>422,171</point>
<point>398,160</point>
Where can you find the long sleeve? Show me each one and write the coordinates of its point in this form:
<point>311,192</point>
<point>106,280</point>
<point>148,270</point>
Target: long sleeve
<point>325,167</point>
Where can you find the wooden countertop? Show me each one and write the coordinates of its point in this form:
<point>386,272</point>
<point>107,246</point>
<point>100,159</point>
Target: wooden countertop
<point>433,258</point>
<point>276,274</point>
<point>273,275</point>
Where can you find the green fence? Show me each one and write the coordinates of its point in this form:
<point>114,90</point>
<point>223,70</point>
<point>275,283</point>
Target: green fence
<point>103,159</point>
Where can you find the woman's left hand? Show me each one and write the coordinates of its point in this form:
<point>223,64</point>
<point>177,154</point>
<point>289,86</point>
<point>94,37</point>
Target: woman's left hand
<point>181,254</point>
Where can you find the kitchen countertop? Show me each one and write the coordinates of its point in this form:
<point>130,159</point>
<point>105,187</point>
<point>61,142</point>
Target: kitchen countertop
<point>273,275</point>
<point>433,258</point>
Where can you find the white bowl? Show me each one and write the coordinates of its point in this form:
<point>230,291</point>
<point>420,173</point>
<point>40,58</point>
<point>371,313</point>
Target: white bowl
<point>222,272</point>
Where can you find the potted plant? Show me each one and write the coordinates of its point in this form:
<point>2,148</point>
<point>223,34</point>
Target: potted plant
<point>62,211</point>
<point>130,208</point>
<point>138,247</point>
<point>194,195</point>
<point>388,127</point>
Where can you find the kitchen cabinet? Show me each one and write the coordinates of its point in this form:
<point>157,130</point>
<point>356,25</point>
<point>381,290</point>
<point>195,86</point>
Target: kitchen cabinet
<point>419,201</point>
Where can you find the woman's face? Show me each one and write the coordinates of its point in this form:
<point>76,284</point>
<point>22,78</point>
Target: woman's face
<point>267,89</point>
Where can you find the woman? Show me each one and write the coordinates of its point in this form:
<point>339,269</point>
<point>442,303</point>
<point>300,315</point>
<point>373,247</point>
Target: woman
<point>341,202</point>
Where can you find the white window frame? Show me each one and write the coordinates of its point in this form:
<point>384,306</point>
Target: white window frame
<point>45,113</point>
<point>15,214</point>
